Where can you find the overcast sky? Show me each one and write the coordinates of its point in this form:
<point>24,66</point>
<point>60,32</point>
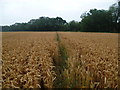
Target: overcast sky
<point>12,11</point>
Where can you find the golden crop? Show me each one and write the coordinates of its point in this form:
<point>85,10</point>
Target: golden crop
<point>27,60</point>
<point>32,60</point>
<point>93,59</point>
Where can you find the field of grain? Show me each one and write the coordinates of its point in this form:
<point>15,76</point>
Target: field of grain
<point>93,59</point>
<point>59,60</point>
<point>27,60</point>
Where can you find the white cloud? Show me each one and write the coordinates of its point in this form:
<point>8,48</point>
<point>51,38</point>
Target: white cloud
<point>24,10</point>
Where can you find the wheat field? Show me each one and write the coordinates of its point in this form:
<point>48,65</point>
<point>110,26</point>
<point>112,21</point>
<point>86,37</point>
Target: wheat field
<point>59,60</point>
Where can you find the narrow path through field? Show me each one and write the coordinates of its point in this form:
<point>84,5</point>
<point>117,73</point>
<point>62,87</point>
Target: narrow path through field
<point>60,64</point>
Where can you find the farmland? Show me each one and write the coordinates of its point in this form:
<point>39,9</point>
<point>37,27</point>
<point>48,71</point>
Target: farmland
<point>59,59</point>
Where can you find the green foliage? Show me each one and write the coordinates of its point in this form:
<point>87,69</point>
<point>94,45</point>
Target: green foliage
<point>60,81</point>
<point>115,11</point>
<point>41,24</point>
<point>74,26</point>
<point>101,20</point>
<point>58,38</point>
<point>92,21</point>
<point>63,53</point>
<point>97,21</point>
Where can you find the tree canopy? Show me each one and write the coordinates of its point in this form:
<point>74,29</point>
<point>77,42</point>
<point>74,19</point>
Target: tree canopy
<point>97,21</point>
<point>41,24</point>
<point>92,21</point>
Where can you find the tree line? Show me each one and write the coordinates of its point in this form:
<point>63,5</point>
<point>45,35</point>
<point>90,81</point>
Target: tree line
<point>92,21</point>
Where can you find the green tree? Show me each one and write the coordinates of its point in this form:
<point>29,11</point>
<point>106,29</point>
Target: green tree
<point>96,21</point>
<point>74,26</point>
<point>115,11</point>
<point>40,24</point>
